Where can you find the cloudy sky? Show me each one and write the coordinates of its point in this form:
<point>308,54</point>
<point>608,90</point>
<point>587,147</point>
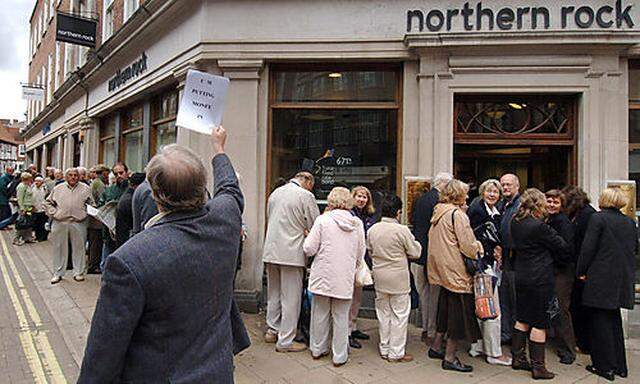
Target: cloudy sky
<point>14,49</point>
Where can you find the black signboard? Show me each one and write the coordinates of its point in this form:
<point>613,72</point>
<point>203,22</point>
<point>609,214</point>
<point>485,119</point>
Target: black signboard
<point>76,30</point>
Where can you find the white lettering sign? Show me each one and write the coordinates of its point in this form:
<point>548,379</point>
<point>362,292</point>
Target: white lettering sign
<point>202,103</point>
<point>32,93</point>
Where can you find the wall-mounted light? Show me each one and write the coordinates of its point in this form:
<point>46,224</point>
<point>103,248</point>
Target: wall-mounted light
<point>335,75</point>
<point>516,105</point>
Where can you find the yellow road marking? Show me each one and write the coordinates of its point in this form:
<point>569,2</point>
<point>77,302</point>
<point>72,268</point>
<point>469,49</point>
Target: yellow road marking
<point>38,341</point>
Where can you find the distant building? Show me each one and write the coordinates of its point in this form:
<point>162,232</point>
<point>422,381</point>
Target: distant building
<point>12,147</point>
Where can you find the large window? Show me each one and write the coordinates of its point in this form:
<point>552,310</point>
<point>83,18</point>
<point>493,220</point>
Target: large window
<point>165,109</point>
<point>339,123</point>
<point>108,141</point>
<point>131,145</point>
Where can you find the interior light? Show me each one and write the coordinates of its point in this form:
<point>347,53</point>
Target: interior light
<point>515,106</point>
<point>335,75</point>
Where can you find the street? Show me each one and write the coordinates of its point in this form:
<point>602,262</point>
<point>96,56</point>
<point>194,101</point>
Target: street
<point>43,330</point>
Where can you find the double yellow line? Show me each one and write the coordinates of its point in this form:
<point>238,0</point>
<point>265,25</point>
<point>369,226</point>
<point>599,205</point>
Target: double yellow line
<point>34,341</point>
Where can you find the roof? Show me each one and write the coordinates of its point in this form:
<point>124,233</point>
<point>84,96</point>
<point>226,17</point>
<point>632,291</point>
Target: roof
<point>10,131</point>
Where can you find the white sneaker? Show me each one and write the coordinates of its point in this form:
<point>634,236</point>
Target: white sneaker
<point>475,350</point>
<point>496,361</point>
<point>55,279</point>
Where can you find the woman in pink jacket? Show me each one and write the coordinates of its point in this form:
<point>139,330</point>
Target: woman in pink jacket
<point>337,241</point>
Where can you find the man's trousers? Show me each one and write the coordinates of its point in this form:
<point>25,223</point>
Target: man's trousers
<point>64,234</point>
<point>284,295</point>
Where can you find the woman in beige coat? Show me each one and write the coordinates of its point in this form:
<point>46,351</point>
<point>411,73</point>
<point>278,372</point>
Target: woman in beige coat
<point>450,239</point>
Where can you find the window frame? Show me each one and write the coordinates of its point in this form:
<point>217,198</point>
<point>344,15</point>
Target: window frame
<point>155,121</point>
<point>397,104</point>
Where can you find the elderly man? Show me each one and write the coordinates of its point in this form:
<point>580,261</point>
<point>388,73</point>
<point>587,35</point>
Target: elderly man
<point>124,215</point>
<point>66,205</point>
<point>507,289</point>
<point>83,176</point>
<point>5,180</point>
<point>98,185</point>
<point>421,221</point>
<point>292,209</point>
<point>165,311</point>
<point>59,176</point>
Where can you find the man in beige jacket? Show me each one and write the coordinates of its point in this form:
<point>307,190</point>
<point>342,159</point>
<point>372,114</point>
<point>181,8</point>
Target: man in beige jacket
<point>391,246</point>
<point>291,211</point>
<point>66,205</point>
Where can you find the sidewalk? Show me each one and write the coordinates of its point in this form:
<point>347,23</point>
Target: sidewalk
<point>71,305</point>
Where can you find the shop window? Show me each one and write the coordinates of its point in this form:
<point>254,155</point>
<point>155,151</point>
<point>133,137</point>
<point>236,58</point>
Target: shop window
<point>164,132</point>
<point>339,123</point>
<point>634,139</point>
<point>132,152</point>
<point>108,141</point>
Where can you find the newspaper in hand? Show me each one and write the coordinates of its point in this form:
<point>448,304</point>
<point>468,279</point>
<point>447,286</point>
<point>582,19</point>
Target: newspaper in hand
<point>105,214</point>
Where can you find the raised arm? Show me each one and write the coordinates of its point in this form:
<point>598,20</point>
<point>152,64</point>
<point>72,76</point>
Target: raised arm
<point>224,176</point>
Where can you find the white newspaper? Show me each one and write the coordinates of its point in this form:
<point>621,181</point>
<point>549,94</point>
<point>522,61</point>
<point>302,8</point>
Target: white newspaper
<point>105,214</point>
<point>202,102</point>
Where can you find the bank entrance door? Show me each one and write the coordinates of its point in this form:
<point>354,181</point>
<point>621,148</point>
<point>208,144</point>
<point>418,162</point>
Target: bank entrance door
<point>532,136</point>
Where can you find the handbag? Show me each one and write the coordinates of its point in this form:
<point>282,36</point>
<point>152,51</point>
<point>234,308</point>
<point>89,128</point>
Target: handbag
<point>363,275</point>
<point>472,266</point>
<point>485,303</point>
<point>24,221</point>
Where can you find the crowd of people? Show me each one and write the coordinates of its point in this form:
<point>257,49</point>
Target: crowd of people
<point>53,206</point>
<point>557,269</point>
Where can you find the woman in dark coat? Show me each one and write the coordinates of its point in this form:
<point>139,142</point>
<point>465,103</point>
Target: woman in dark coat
<point>579,211</point>
<point>365,211</point>
<point>536,248</point>
<point>607,266</point>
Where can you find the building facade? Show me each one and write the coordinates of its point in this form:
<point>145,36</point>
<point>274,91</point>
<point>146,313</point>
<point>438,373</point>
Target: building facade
<point>363,92</point>
<point>12,147</point>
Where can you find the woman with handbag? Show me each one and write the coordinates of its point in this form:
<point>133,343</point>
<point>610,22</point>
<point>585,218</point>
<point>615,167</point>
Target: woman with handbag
<point>485,219</point>
<point>364,210</point>
<point>24,223</point>
<point>451,240</point>
<point>606,265</point>
<point>536,247</point>
<point>337,242</point>
<point>391,246</point>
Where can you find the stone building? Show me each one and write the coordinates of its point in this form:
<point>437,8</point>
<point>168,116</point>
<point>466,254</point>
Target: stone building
<point>363,92</point>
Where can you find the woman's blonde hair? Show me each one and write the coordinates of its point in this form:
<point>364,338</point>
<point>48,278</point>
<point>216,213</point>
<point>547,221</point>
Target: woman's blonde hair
<point>454,192</point>
<point>532,203</point>
<point>368,209</point>
<point>487,184</point>
<point>612,197</point>
<point>340,198</point>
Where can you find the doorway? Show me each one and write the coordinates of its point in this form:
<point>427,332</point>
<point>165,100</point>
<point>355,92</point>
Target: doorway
<point>531,136</point>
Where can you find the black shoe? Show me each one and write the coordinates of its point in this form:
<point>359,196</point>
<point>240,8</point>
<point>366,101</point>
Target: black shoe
<point>353,343</point>
<point>436,355</point>
<point>622,374</point>
<point>359,335</point>
<point>566,358</point>
<point>604,374</point>
<point>456,365</point>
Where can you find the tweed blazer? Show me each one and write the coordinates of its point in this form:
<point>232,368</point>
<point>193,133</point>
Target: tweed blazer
<point>166,313</point>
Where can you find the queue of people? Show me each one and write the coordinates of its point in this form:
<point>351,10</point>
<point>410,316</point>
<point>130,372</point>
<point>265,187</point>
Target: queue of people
<point>558,270</point>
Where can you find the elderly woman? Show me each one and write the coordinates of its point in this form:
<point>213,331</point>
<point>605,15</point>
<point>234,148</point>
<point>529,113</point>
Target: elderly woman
<point>364,210</point>
<point>337,241</point>
<point>485,219</point>
<point>24,195</point>
<point>450,240</point>
<point>606,265</point>
<point>39,193</point>
<point>537,247</point>
<point>391,246</point>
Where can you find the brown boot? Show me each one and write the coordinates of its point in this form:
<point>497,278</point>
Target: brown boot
<point>519,351</point>
<point>538,368</point>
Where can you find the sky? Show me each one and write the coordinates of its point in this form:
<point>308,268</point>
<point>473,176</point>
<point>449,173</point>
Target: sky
<point>14,49</point>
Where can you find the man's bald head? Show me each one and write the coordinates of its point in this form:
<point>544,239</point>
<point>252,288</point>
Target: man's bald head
<point>177,178</point>
<point>510,185</point>
<point>306,180</point>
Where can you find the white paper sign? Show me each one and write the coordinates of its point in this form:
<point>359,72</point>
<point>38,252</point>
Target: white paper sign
<point>202,103</point>
<point>32,93</point>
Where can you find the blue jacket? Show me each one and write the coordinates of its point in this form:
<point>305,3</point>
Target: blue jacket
<point>165,311</point>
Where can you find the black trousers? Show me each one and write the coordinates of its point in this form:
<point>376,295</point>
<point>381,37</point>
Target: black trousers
<point>507,294</point>
<point>580,317</point>
<point>95,248</point>
<point>39,220</point>
<point>564,330</point>
<point>607,340</point>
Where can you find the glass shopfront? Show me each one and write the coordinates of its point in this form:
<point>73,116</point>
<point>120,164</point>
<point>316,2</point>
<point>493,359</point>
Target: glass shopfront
<point>634,138</point>
<point>341,124</point>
